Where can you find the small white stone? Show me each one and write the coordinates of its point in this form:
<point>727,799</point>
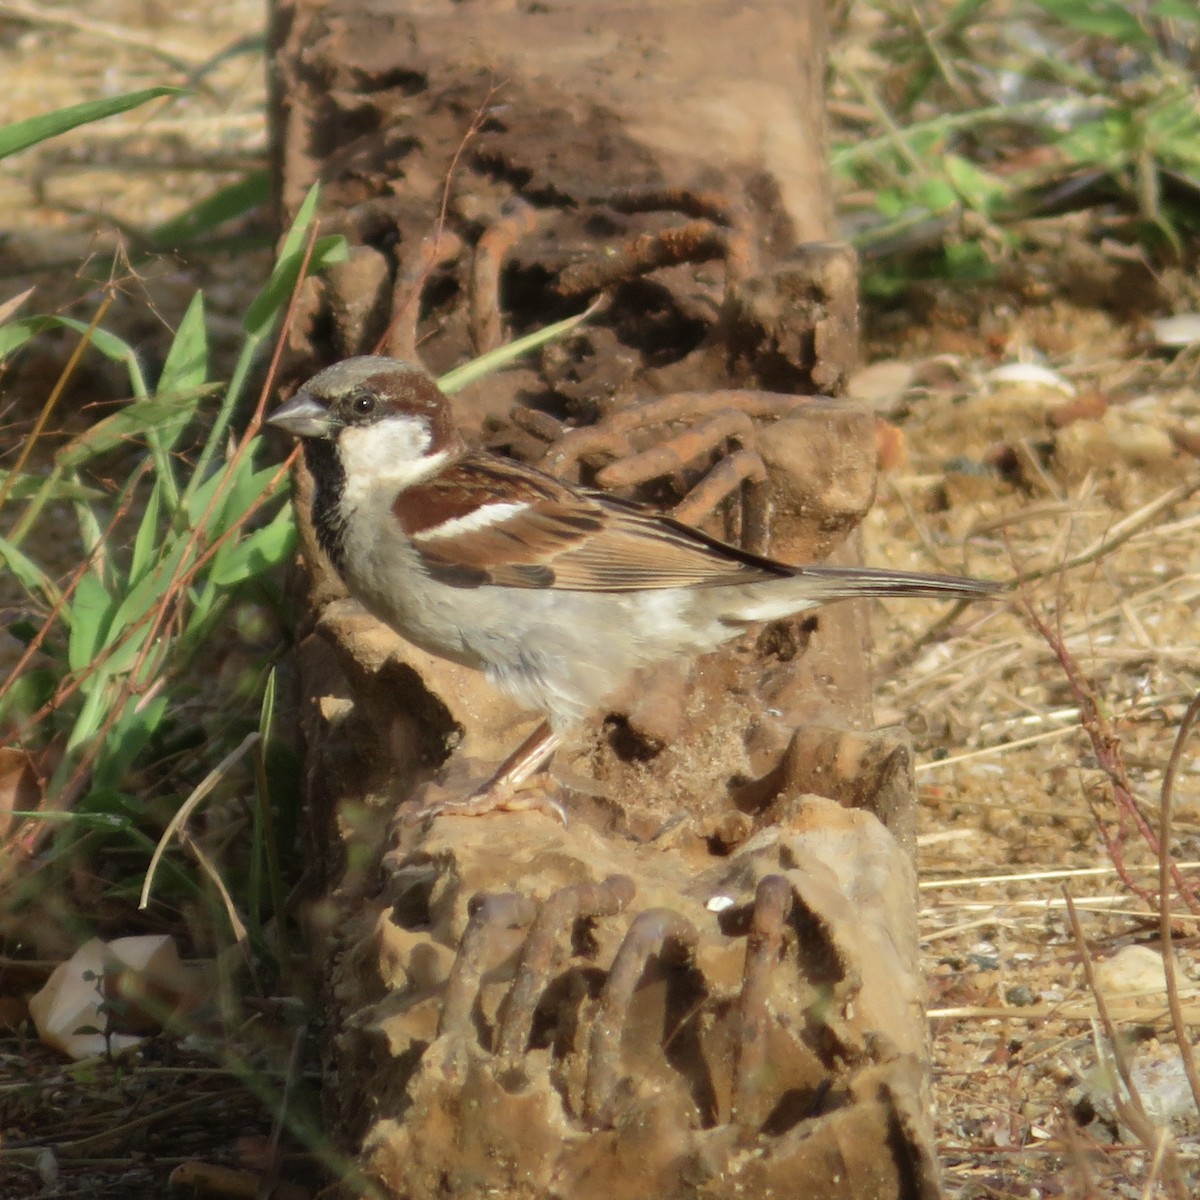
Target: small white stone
<point>1025,374</point>
<point>1183,329</point>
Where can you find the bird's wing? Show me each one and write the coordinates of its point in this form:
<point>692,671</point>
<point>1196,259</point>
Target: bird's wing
<point>484,520</point>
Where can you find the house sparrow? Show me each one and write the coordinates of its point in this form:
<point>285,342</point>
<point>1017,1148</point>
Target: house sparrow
<point>557,593</point>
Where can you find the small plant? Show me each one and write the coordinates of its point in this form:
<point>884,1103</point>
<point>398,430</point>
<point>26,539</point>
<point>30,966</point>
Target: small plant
<point>113,700</point>
<point>117,658</point>
<point>989,115</point>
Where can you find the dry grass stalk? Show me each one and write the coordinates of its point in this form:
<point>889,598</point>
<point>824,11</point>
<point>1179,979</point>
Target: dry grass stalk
<point>1129,1107</point>
<point>1165,864</point>
<point>1107,747</point>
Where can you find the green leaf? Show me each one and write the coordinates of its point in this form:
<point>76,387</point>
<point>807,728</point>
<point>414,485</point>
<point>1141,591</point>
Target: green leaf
<point>146,544</point>
<point>936,195</point>
<point>106,821</point>
<point>967,262</point>
<point>977,188</point>
<point>91,613</point>
<point>17,333</point>
<point>260,317</point>
<point>186,367</point>
<point>266,714</point>
<point>960,15</point>
<point>194,505</point>
<point>87,722</point>
<point>1176,10</point>
<point>28,693</point>
<point>488,364</point>
<point>238,198</point>
<point>22,134</point>
<point>13,336</point>
<point>184,372</point>
<point>127,738</point>
<point>144,595</point>
<point>1099,18</point>
<point>91,535</point>
<point>163,417</point>
<point>26,487</point>
<point>29,575</point>
<point>246,490</point>
<point>278,288</point>
<point>891,202</point>
<point>260,551</point>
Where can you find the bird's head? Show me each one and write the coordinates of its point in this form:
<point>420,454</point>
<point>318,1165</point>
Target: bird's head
<point>383,416</point>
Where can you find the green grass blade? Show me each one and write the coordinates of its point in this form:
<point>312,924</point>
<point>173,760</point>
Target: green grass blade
<point>146,543</point>
<point>487,364</point>
<point>258,552</point>
<point>271,301</point>
<point>14,335</point>
<point>129,735</point>
<point>146,592</point>
<point>91,820</point>
<point>184,374</point>
<point>1100,18</point>
<point>264,307</point>
<point>92,536</point>
<point>163,418</point>
<point>20,135</point>
<point>227,204</point>
<point>266,833</point>
<point>261,316</point>
<point>17,333</point>
<point>48,488</point>
<point>91,615</point>
<point>29,575</point>
<point>87,724</point>
<point>186,368</point>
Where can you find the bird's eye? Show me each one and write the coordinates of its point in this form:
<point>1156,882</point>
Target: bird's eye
<point>364,405</point>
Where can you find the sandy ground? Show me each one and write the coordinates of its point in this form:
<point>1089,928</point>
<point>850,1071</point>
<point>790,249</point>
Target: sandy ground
<point>1012,786</point>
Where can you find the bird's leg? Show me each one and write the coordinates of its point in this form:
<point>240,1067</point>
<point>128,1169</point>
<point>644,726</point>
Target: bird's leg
<point>503,790</point>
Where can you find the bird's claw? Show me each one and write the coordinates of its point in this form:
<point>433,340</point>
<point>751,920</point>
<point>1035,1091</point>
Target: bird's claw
<point>501,795</point>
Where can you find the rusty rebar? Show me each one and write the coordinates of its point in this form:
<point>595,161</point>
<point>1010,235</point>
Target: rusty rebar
<point>678,452</point>
<point>550,927</point>
<point>772,905</point>
<point>660,929</point>
<point>744,469</point>
<point>695,241</point>
<point>417,264</point>
<point>740,254</point>
<point>516,221</point>
<point>491,913</point>
<point>610,436</point>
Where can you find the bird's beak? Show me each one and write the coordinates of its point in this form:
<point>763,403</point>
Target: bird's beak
<point>302,416</point>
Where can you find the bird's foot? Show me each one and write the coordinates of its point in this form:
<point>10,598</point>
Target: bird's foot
<point>497,795</point>
<point>519,783</point>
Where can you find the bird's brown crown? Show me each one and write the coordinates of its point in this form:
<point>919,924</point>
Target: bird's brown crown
<point>364,391</point>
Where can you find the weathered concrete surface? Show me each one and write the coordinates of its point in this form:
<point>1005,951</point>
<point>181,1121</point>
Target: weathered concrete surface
<point>706,985</point>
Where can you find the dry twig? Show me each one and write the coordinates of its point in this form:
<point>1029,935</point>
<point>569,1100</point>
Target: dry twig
<point>1182,1035</point>
<point>1107,747</point>
<point>1129,1107</point>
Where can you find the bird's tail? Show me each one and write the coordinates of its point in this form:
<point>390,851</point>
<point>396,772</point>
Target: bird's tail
<point>837,583</point>
<point>814,585</point>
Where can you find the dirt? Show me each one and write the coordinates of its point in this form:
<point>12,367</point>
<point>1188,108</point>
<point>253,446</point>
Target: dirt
<point>984,476</point>
<point>1003,479</point>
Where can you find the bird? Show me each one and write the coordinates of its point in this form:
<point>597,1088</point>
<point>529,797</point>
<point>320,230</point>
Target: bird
<point>558,593</point>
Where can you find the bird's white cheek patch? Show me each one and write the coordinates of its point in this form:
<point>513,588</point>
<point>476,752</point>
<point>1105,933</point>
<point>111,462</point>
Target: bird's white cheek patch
<point>392,453</point>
